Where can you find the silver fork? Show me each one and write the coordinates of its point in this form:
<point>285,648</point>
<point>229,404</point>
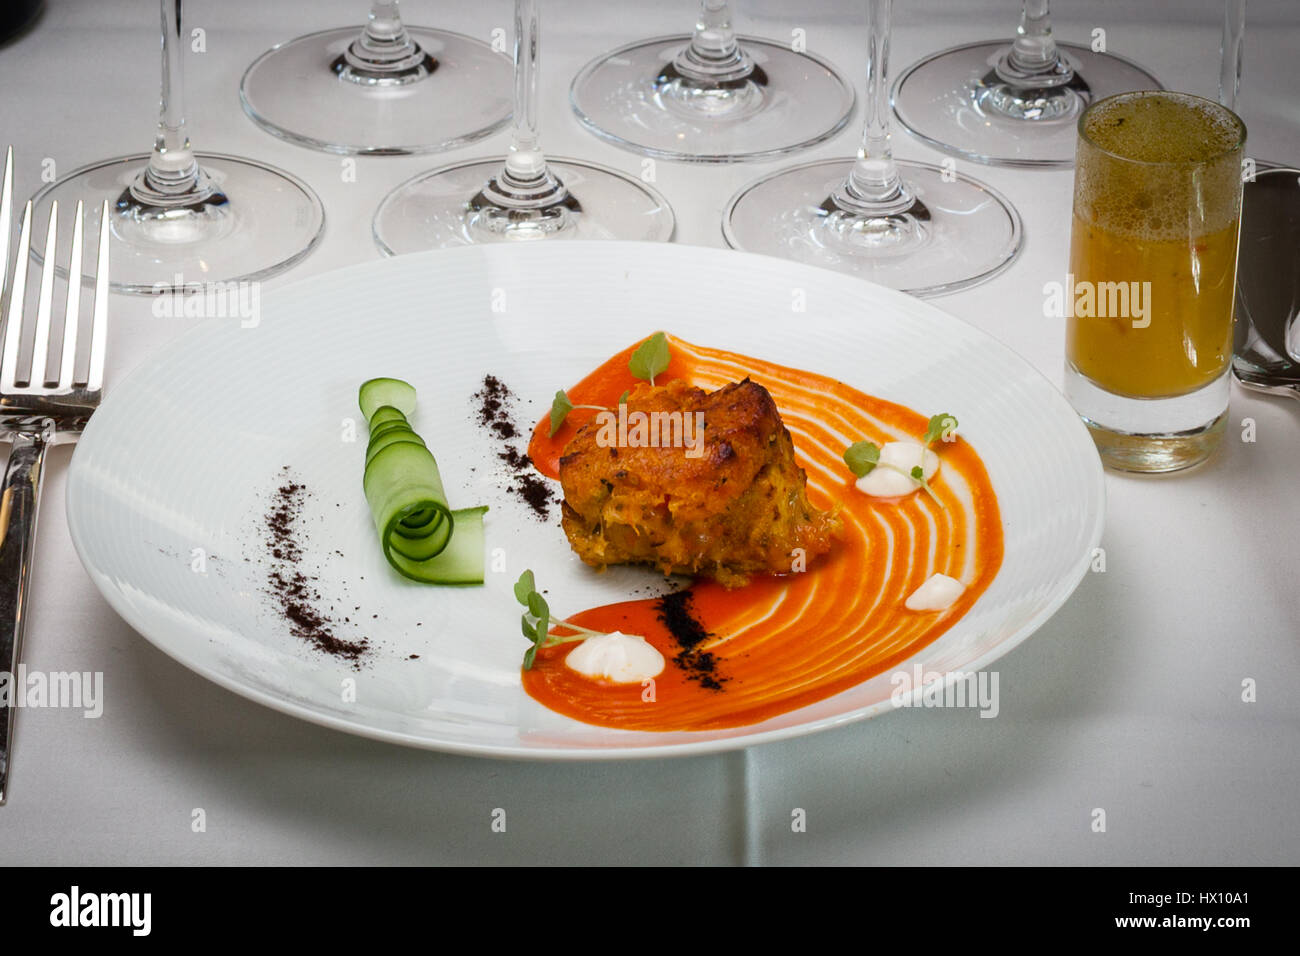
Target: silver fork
<point>37,411</point>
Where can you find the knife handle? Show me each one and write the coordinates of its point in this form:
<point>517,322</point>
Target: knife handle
<point>20,498</point>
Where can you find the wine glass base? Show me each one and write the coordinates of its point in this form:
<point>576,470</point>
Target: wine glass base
<point>272,221</point>
<point>971,234</point>
<point>434,210</point>
<point>799,100</point>
<point>293,91</point>
<point>950,101</point>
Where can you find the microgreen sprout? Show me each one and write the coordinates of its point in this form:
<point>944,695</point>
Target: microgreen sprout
<point>649,359</point>
<point>561,407</point>
<point>942,427</point>
<point>537,621</point>
<point>863,456</point>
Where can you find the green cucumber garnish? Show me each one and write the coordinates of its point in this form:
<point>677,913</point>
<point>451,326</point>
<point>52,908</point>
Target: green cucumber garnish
<point>422,537</point>
<point>392,392</point>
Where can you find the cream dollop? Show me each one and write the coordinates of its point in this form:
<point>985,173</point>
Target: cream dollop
<point>884,481</point>
<point>936,594</point>
<point>622,658</point>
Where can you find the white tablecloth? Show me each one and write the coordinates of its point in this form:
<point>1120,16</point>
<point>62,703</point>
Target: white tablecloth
<point>1129,700</point>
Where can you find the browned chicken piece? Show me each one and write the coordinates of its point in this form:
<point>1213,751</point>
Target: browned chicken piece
<point>730,504</point>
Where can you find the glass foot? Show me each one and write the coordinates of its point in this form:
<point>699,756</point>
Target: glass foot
<point>959,233</point>
<point>307,91</point>
<point>256,222</point>
<point>957,102</point>
<point>637,98</point>
<point>457,205</point>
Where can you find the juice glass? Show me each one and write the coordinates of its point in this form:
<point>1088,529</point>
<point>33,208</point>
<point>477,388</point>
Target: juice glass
<point>1153,263</point>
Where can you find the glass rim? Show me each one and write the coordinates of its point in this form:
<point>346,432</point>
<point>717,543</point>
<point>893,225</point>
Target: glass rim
<point>1173,95</point>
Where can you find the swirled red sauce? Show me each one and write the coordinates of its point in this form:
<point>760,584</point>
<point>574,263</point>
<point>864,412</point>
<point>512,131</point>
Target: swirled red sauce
<point>786,641</point>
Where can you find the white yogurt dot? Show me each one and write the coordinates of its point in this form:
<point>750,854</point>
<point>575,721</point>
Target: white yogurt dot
<point>886,482</point>
<point>936,594</point>
<point>622,658</point>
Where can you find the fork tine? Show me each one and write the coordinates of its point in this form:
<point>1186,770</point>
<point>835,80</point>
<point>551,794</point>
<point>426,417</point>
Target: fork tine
<point>6,215</point>
<point>41,343</point>
<point>99,325</point>
<point>14,318</point>
<point>71,314</point>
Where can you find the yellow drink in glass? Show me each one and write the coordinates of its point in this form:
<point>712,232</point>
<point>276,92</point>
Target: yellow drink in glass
<point>1153,262</point>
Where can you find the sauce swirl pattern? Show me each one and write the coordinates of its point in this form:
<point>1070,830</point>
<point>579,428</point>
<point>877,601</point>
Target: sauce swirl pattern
<point>786,641</point>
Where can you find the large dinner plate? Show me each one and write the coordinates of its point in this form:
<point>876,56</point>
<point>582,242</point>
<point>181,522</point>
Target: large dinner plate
<point>170,483</point>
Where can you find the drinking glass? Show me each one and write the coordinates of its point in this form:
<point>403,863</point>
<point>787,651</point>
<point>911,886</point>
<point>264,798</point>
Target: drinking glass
<point>528,196</point>
<point>712,97</point>
<point>178,217</point>
<point>912,226</point>
<point>385,88</point>
<point>1012,103</point>
<point>1149,293</point>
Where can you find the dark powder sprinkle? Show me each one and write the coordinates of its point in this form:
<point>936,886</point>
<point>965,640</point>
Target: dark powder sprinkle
<point>493,410</point>
<point>527,484</point>
<point>293,589</point>
<point>676,612</point>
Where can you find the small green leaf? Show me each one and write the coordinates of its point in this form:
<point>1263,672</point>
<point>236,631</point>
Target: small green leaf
<point>861,457</point>
<point>560,409</point>
<point>650,358</point>
<point>537,605</point>
<point>543,627</point>
<point>529,655</point>
<point>622,399</point>
<point>524,587</point>
<point>529,629</point>
<point>941,428</point>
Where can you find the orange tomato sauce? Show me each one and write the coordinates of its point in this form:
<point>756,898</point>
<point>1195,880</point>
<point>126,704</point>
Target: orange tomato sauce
<point>786,641</point>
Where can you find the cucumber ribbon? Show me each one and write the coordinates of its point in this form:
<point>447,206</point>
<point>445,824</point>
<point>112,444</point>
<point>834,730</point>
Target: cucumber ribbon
<point>422,537</point>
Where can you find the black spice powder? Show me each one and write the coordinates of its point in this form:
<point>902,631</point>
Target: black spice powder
<point>493,407</point>
<point>677,613</point>
<point>291,588</point>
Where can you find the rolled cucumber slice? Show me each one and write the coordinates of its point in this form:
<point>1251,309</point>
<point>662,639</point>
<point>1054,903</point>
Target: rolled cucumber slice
<point>392,392</point>
<point>384,415</point>
<point>422,537</point>
<point>461,562</point>
<point>392,438</point>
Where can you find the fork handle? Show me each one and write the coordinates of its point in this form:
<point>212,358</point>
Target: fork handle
<point>20,498</point>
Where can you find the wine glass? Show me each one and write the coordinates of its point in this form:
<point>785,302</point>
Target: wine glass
<point>528,196</point>
<point>384,89</point>
<point>177,217</point>
<point>912,226</point>
<point>1012,103</point>
<point>712,97</point>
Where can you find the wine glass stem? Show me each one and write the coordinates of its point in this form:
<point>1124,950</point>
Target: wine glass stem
<point>1032,79</point>
<point>384,27</point>
<point>1034,49</point>
<point>874,178</point>
<point>384,54</point>
<point>1230,53</point>
<point>714,37</point>
<point>525,160</point>
<point>713,54</point>
<point>172,170</point>
<point>525,197</point>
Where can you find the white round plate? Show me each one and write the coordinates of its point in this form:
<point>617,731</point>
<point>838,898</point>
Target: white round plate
<point>186,450</point>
